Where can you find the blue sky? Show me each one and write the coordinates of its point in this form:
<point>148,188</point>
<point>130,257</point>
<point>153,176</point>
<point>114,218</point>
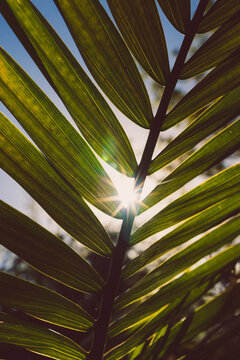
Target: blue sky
<point>9,190</point>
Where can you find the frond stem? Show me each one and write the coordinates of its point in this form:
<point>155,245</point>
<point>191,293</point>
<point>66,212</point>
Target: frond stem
<point>167,95</point>
<point>110,289</point>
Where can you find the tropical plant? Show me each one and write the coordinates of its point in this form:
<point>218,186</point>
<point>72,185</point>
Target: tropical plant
<point>159,314</point>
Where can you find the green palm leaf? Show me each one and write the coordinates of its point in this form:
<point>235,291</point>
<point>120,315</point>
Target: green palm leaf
<point>217,48</point>
<point>179,262</point>
<point>29,240</point>
<point>218,82</point>
<point>107,58</point>
<point>177,288</point>
<point>42,303</point>
<point>215,150</point>
<point>220,113</point>
<point>21,160</point>
<point>202,318</point>
<point>196,200</point>
<point>197,224</point>
<point>38,339</point>
<point>141,28</point>
<point>205,315</point>
<point>88,108</point>
<point>54,135</point>
<point>157,322</point>
<point>146,308</point>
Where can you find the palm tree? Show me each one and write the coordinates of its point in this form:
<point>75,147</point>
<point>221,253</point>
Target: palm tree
<point>161,314</point>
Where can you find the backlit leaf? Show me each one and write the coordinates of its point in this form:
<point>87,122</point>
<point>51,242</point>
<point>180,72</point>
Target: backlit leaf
<point>197,224</point>
<point>216,149</point>
<point>42,303</point>
<point>92,114</point>
<point>221,80</point>
<point>135,338</point>
<point>142,31</point>
<point>55,136</point>
<point>38,339</point>
<point>107,57</point>
<point>210,192</point>
<point>178,288</point>
<point>22,161</point>
<point>217,48</point>
<point>45,251</point>
<point>205,315</point>
<point>222,111</point>
<point>179,262</point>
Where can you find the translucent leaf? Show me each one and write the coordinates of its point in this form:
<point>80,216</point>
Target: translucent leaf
<point>23,162</point>
<point>197,224</point>
<point>55,136</point>
<point>107,58</point>
<point>42,303</point>
<point>215,189</point>
<point>205,315</point>
<point>216,149</point>
<point>45,251</point>
<point>88,108</point>
<point>217,48</point>
<point>178,288</point>
<point>221,80</point>
<point>38,339</point>
<point>221,112</point>
<point>179,262</point>
<point>142,31</point>
<point>159,321</point>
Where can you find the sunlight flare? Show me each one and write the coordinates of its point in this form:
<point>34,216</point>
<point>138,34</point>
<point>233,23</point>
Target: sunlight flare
<point>127,195</point>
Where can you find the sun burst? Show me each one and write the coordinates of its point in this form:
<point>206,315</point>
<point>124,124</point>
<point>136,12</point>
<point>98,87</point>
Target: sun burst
<point>127,193</point>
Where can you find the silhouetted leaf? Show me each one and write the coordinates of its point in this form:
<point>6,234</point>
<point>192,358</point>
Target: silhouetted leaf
<point>177,12</point>
<point>218,14</point>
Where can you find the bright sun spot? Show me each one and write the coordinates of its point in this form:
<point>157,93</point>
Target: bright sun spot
<point>124,187</point>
